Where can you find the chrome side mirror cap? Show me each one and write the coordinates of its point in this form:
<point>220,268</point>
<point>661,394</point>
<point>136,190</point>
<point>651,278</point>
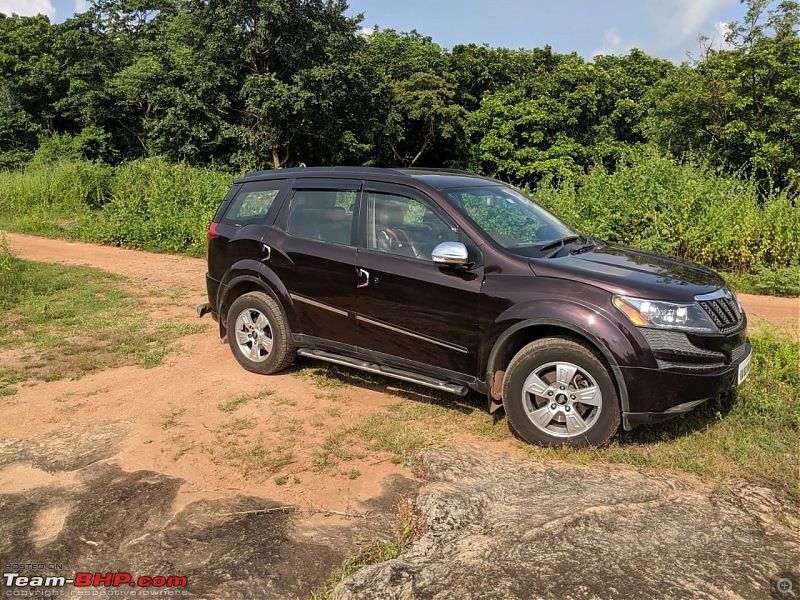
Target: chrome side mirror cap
<point>452,254</point>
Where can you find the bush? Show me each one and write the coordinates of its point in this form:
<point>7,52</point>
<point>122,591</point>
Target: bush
<point>771,282</point>
<point>149,204</point>
<point>9,280</point>
<point>52,198</point>
<point>681,208</point>
<point>161,206</point>
<point>649,201</point>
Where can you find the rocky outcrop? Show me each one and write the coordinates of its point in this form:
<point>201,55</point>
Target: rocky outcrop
<point>506,527</point>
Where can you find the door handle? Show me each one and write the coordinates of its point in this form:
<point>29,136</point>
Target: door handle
<point>363,278</point>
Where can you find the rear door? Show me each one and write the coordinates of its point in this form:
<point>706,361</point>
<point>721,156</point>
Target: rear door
<point>408,306</point>
<point>314,253</point>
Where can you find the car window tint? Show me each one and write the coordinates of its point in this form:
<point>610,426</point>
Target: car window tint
<point>510,218</point>
<point>252,206</point>
<point>404,226</point>
<point>325,215</point>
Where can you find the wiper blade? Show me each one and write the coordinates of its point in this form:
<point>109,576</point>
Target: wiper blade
<point>583,248</point>
<point>560,243</point>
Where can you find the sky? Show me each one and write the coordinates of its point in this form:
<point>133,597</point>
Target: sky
<point>663,28</point>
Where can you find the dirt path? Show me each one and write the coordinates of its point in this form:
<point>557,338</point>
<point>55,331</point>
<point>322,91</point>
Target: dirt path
<point>157,271</point>
<point>165,270</point>
<point>781,311</point>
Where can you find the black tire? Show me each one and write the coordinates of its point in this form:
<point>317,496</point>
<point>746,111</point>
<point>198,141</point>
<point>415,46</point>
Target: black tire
<point>554,416</point>
<point>273,349</point>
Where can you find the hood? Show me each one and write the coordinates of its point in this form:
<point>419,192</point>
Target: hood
<point>631,272</point>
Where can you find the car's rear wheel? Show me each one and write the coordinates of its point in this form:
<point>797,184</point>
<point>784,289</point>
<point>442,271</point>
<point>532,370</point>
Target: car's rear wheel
<point>558,392</point>
<point>258,334</point>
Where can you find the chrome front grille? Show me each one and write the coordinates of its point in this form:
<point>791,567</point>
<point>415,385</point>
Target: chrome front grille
<point>722,308</point>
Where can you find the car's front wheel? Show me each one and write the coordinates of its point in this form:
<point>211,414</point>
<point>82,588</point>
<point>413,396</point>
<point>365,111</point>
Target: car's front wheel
<point>258,334</point>
<point>558,392</point>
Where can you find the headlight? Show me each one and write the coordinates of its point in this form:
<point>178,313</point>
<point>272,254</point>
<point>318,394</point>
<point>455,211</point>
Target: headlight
<point>686,316</point>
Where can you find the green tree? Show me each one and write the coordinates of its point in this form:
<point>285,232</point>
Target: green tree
<point>31,83</point>
<point>261,82</point>
<point>424,123</point>
<point>739,106</point>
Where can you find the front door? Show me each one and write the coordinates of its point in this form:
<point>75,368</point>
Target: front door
<point>409,307</point>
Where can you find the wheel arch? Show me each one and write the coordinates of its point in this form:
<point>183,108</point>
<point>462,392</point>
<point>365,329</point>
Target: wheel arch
<point>242,283</point>
<point>513,339</point>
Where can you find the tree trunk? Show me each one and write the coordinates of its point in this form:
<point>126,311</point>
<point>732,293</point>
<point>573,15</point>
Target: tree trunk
<point>276,159</point>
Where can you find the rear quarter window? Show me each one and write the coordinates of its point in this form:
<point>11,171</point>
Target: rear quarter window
<point>253,203</point>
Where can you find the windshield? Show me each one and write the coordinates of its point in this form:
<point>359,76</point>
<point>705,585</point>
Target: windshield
<point>512,220</point>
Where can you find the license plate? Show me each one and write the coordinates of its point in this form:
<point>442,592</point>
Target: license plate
<point>744,369</point>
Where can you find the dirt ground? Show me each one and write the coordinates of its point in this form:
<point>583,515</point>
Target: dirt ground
<point>177,403</point>
<point>156,444</point>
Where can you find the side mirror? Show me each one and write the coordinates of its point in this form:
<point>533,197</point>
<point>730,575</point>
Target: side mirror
<point>451,254</point>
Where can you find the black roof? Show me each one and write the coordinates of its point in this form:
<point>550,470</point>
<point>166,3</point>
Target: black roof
<point>437,178</point>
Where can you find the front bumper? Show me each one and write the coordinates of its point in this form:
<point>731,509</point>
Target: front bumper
<point>678,390</point>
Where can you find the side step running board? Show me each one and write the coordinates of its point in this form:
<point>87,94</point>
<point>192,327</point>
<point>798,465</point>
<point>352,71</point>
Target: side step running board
<point>437,384</point>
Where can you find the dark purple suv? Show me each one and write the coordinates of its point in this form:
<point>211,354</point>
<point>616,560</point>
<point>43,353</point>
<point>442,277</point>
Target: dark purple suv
<point>456,282</point>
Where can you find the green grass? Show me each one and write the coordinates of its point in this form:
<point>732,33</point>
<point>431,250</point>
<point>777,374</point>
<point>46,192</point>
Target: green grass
<point>231,405</point>
<point>326,376</point>
<point>649,201</point>
<point>183,446</point>
<point>683,208</point>
<point>377,552</point>
<point>236,445</point>
<point>281,401</point>
<point>70,321</point>
<point>409,527</point>
<point>150,203</point>
<point>170,419</point>
<point>336,446</point>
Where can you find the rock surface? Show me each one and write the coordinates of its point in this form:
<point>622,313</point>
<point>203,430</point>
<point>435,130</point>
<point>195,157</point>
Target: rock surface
<point>504,527</point>
<point>64,503</point>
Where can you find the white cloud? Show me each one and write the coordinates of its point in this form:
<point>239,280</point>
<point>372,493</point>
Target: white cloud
<point>677,24</point>
<point>612,43</point>
<point>81,6</point>
<point>28,8</point>
<point>367,31</point>
<point>721,32</point>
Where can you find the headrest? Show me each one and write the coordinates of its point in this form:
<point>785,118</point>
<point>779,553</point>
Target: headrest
<point>315,198</point>
<point>390,213</point>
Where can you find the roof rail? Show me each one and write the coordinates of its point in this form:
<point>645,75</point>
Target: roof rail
<point>437,170</point>
<point>311,172</point>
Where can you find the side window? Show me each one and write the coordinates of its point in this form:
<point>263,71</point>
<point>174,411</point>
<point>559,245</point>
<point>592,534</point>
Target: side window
<point>404,226</point>
<point>252,203</point>
<point>325,215</point>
